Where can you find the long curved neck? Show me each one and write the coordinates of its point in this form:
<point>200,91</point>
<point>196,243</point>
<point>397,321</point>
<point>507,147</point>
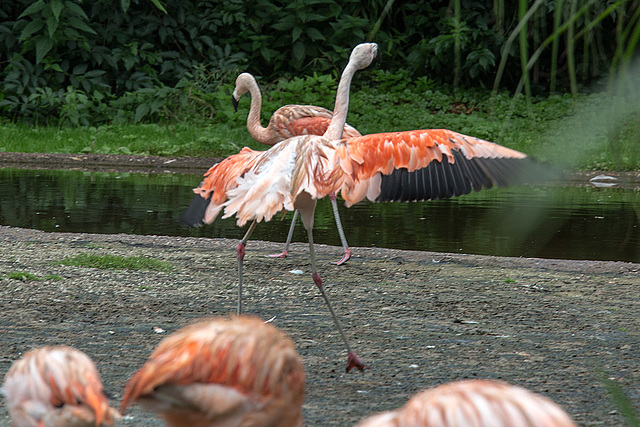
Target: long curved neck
<point>340,110</point>
<point>254,127</point>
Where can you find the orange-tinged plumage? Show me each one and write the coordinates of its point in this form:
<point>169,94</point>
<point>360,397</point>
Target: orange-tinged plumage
<point>415,165</point>
<point>287,122</point>
<point>383,154</point>
<point>236,371</point>
<point>255,185</point>
<point>56,387</point>
<point>474,403</point>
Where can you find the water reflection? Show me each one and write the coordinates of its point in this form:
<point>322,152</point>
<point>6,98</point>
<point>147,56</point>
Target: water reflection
<point>549,222</point>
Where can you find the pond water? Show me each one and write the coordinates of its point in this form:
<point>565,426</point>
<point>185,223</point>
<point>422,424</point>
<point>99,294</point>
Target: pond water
<point>543,221</point>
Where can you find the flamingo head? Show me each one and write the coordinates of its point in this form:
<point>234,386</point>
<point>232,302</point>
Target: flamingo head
<point>363,54</point>
<point>244,82</point>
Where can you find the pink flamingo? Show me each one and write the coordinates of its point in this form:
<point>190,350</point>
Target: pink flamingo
<point>399,166</point>
<point>289,121</point>
<point>478,403</point>
<point>236,371</point>
<point>56,387</point>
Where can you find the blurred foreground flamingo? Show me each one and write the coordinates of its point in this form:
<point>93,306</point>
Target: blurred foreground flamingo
<point>399,166</point>
<point>236,371</point>
<point>56,387</point>
<point>287,122</point>
<point>478,403</point>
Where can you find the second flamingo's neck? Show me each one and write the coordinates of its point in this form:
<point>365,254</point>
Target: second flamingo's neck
<point>257,132</point>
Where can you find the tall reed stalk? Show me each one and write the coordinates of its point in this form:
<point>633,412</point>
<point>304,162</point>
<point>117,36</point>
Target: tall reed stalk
<point>499,14</point>
<point>506,47</point>
<point>524,46</point>
<point>557,17</point>
<point>571,62</point>
<point>457,43</point>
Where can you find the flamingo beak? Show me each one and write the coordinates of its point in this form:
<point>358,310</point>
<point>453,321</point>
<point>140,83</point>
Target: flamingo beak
<point>234,101</point>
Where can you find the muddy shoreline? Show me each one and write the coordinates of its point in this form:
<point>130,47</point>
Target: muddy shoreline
<point>107,162</point>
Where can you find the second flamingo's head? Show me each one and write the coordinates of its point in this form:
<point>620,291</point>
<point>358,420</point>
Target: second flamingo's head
<point>244,83</point>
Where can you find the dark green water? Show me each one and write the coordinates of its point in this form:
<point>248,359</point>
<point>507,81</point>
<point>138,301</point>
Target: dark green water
<point>547,222</point>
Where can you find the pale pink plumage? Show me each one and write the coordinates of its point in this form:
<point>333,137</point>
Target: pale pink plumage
<point>236,371</point>
<point>56,387</point>
<point>262,183</point>
<point>397,166</point>
<point>282,176</point>
<point>474,403</point>
<point>287,122</point>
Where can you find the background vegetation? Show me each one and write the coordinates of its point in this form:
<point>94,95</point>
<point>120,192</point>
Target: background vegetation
<point>457,63</point>
<point>88,62</point>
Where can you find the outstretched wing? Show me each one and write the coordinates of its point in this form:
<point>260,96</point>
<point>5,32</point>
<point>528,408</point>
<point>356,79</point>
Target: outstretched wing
<point>425,164</point>
<point>211,194</point>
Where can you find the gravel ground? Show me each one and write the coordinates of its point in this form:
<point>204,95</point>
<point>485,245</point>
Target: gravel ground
<point>418,318</point>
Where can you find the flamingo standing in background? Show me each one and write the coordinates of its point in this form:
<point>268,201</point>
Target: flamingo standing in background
<point>236,371</point>
<point>287,122</point>
<point>56,387</point>
<point>400,166</point>
<point>478,403</point>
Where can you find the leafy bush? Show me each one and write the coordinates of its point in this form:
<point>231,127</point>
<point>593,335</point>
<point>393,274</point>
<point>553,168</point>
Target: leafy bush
<point>87,62</point>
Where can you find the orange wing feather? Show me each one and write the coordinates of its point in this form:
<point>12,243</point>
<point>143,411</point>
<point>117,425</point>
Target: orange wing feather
<point>429,164</point>
<point>222,176</point>
<point>255,363</point>
<point>59,384</point>
<point>211,194</point>
<point>383,152</point>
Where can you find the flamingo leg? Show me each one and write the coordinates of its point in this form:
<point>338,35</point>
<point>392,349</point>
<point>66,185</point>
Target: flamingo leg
<point>240,253</point>
<point>284,253</point>
<point>353,361</point>
<point>343,239</point>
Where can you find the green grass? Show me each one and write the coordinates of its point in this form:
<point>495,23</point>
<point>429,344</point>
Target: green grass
<point>141,139</point>
<point>595,131</point>
<point>620,399</point>
<point>22,275</point>
<point>117,262</point>
<point>26,276</point>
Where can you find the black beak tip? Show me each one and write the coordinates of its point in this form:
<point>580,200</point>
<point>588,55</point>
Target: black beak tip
<point>234,101</point>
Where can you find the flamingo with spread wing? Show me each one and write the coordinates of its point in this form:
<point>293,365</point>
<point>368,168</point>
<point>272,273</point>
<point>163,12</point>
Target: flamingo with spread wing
<point>398,166</point>
<point>286,122</point>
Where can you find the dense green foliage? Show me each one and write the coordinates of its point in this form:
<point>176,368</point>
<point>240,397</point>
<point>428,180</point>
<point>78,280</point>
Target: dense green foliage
<point>88,62</point>
<point>595,131</point>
